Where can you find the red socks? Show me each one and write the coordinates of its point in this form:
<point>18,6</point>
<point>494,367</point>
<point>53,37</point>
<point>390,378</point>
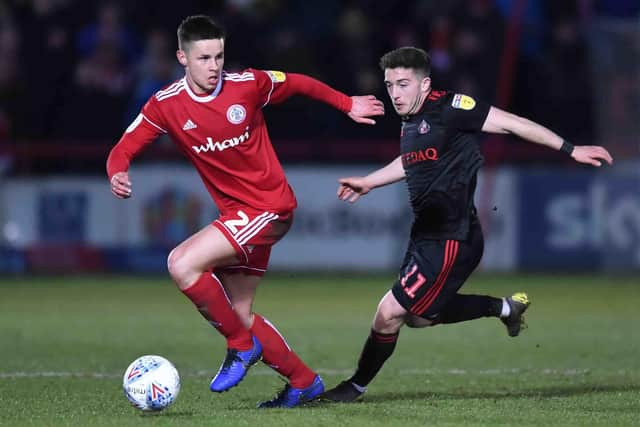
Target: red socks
<point>208,295</point>
<point>277,354</point>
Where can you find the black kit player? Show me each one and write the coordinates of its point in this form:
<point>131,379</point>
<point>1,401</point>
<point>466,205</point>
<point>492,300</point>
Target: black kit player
<point>440,159</point>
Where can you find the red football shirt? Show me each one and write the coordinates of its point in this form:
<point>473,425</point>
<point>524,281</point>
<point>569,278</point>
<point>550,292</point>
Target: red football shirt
<point>224,134</point>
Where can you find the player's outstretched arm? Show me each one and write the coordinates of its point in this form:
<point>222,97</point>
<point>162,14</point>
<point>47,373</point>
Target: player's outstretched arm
<point>364,107</point>
<point>499,121</point>
<point>359,108</point>
<point>351,188</point>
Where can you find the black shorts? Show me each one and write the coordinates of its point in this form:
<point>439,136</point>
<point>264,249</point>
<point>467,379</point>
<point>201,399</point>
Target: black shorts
<point>434,270</point>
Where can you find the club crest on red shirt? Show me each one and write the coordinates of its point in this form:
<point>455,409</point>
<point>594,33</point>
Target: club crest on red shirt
<point>236,114</point>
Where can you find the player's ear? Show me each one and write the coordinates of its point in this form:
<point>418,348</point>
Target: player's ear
<point>182,57</point>
<point>425,84</point>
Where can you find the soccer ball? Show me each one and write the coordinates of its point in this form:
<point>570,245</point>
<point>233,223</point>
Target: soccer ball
<point>151,383</point>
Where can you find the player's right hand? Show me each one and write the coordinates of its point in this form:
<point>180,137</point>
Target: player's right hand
<point>352,188</point>
<point>364,107</point>
<point>120,185</point>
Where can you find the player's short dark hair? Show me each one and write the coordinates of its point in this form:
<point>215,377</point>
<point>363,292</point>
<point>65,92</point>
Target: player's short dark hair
<point>407,57</point>
<point>198,27</point>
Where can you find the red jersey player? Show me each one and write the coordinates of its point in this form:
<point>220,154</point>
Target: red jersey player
<point>216,119</point>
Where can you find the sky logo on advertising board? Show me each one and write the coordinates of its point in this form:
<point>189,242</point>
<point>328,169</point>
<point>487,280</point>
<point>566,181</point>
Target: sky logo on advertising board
<point>596,220</point>
<point>212,145</point>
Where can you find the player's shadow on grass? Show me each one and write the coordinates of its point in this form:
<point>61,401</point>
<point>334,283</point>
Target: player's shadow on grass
<point>555,391</point>
<point>167,414</point>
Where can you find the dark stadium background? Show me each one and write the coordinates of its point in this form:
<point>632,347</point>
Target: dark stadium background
<point>83,282</point>
<point>74,74</point>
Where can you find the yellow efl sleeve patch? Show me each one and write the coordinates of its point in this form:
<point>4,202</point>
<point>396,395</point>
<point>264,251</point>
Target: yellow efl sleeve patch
<point>463,102</point>
<point>277,76</point>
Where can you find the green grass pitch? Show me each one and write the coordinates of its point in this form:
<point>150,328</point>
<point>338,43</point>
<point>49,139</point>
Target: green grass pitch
<point>65,343</point>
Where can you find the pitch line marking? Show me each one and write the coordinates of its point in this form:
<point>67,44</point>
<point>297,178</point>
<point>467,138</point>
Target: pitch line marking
<point>569,372</point>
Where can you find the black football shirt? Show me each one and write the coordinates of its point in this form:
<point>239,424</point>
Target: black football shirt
<point>441,158</point>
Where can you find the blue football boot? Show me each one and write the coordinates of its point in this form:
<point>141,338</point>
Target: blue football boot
<point>290,397</point>
<point>235,367</point>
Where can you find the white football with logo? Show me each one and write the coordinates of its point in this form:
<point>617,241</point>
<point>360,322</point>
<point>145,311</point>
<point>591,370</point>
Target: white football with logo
<point>151,383</point>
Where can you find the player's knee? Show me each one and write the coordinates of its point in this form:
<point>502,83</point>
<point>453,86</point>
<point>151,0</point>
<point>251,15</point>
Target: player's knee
<point>389,315</point>
<point>178,268</point>
<point>173,263</point>
<point>386,319</point>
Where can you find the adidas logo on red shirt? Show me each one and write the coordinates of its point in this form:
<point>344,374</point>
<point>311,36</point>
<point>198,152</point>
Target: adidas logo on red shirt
<point>189,125</point>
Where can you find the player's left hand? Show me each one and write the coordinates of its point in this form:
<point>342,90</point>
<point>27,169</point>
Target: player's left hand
<point>591,154</point>
<point>364,107</point>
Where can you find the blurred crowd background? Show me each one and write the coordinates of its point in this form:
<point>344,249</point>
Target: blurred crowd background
<point>74,74</point>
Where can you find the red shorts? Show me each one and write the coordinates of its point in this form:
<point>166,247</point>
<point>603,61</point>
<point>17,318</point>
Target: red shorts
<point>252,233</point>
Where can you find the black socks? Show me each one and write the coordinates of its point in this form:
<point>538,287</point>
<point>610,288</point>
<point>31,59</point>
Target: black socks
<point>377,349</point>
<point>469,307</point>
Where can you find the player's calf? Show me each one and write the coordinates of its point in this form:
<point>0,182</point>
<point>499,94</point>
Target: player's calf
<point>418,322</point>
